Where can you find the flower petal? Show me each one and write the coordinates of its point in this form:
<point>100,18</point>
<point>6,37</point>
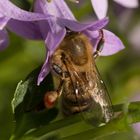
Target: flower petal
<point>4,40</point>
<point>55,8</point>
<point>77,26</point>
<point>52,42</point>
<point>29,30</point>
<point>45,70</point>
<point>128,3</point>
<point>44,28</point>
<point>93,37</point>
<point>11,11</point>
<point>112,44</point>
<point>3,21</point>
<point>100,7</point>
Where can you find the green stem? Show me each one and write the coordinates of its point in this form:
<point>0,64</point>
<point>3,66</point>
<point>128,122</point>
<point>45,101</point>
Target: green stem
<point>128,114</point>
<point>117,125</point>
<point>113,127</point>
<point>54,126</point>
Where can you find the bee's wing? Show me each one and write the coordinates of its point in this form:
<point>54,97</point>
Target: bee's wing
<point>90,89</point>
<point>100,106</point>
<point>101,96</point>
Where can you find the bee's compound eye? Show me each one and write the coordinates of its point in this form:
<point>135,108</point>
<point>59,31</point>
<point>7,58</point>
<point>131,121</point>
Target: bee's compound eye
<point>50,99</point>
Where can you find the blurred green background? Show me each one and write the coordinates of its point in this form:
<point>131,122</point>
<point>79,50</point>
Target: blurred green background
<point>121,72</point>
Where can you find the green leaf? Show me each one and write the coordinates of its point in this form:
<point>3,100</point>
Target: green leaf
<point>28,105</point>
<point>19,94</point>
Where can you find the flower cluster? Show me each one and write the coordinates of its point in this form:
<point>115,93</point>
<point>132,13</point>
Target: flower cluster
<point>49,22</point>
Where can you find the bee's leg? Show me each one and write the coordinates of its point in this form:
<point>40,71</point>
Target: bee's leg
<point>51,97</point>
<point>60,88</point>
<point>99,45</point>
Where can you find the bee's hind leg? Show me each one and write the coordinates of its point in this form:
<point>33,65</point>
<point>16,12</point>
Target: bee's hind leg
<point>100,44</point>
<point>51,97</point>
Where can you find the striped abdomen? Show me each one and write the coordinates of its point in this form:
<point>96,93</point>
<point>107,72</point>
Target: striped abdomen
<point>74,103</point>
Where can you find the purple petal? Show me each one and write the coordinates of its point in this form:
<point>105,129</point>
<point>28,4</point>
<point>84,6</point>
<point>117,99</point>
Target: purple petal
<point>29,30</point>
<point>93,37</point>
<point>4,40</point>
<point>100,7</point>
<point>3,21</point>
<point>112,44</point>
<point>45,70</point>
<point>11,11</point>
<point>77,26</point>
<point>58,9</point>
<point>52,42</point>
<point>55,8</point>
<point>99,24</point>
<point>128,3</point>
<point>44,28</point>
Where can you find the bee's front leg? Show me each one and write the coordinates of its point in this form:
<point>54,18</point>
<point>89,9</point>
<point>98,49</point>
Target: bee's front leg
<point>99,45</point>
<point>51,97</point>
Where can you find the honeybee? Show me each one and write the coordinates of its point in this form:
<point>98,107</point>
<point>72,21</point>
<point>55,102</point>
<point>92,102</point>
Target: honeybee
<point>81,88</point>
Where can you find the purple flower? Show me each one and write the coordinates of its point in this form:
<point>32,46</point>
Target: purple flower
<point>19,21</point>
<point>53,29</point>
<point>101,6</point>
<point>63,18</point>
